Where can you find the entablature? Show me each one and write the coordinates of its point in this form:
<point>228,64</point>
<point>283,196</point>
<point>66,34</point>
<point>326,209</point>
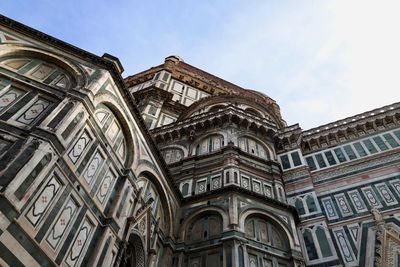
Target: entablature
<point>288,138</point>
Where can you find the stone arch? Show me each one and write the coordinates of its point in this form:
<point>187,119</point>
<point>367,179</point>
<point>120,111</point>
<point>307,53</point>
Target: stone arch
<point>216,107</point>
<point>182,149</point>
<point>262,229</point>
<point>135,255</point>
<point>317,241</point>
<point>125,126</point>
<point>194,146</point>
<point>277,222</point>
<point>268,149</point>
<point>205,226</point>
<point>249,98</point>
<point>163,195</point>
<point>254,111</point>
<point>198,214</point>
<point>79,76</point>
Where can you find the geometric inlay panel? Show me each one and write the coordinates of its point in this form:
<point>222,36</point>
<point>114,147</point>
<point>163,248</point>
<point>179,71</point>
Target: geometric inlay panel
<point>33,111</point>
<point>79,243</point>
<point>9,97</point>
<point>93,168</point>
<point>106,186</point>
<point>63,221</point>
<point>42,71</point>
<point>79,147</point>
<point>386,194</point>
<point>42,203</point>
<point>371,197</point>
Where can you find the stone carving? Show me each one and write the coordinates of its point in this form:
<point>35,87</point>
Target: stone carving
<point>377,215</point>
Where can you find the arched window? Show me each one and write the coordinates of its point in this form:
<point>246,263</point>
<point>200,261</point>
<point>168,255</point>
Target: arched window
<point>311,204</point>
<point>185,189</point>
<point>210,144</point>
<point>264,231</point>
<point>206,227</point>
<point>323,242</point>
<point>310,246</point>
<point>134,254</point>
<point>216,108</point>
<point>235,175</point>
<point>253,112</point>
<point>227,178</point>
<point>172,155</point>
<point>280,192</point>
<point>112,130</point>
<point>253,147</point>
<point>299,206</point>
<point>39,70</point>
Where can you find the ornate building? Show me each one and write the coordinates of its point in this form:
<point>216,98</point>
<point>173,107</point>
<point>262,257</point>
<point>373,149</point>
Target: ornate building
<point>176,167</point>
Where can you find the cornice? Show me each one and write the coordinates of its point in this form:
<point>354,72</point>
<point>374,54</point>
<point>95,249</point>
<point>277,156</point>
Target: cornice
<point>153,92</point>
<point>201,80</point>
<point>234,150</point>
<point>143,76</point>
<point>232,188</point>
<point>359,119</point>
<point>338,132</point>
<point>232,114</point>
<point>235,97</point>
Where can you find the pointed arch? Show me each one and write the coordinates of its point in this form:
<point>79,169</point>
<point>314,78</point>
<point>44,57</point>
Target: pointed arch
<point>135,254</point>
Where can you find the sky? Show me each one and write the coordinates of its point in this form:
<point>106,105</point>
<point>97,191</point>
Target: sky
<point>320,60</point>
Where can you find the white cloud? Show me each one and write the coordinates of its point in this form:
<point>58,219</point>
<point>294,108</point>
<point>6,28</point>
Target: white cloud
<point>322,61</point>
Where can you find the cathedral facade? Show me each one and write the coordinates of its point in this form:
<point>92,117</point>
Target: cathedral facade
<point>174,166</point>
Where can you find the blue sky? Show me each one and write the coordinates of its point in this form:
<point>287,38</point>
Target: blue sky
<point>320,60</point>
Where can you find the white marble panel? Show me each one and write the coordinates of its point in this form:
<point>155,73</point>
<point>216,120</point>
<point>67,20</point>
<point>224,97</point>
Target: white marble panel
<point>33,111</point>
<point>63,221</point>
<point>43,201</point>
<point>79,244</point>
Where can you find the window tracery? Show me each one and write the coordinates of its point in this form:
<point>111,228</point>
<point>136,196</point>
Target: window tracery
<point>252,146</point>
<point>207,227</point>
<point>172,155</point>
<point>210,144</point>
<point>262,230</point>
